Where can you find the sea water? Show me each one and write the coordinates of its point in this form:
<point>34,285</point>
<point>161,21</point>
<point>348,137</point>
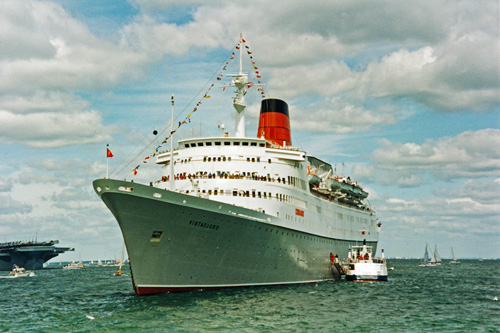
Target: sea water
<point>449,298</point>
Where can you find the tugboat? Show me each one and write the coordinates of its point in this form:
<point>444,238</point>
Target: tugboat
<point>362,266</point>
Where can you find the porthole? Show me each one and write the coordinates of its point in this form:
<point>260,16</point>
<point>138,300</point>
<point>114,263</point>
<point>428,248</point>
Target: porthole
<point>125,189</point>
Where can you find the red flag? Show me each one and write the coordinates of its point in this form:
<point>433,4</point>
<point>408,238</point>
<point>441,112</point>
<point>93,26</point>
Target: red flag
<point>108,153</point>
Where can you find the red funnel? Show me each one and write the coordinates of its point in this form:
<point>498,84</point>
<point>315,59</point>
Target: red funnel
<point>274,122</point>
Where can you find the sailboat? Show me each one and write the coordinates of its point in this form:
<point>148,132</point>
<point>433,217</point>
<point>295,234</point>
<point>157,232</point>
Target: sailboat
<point>437,258</point>
<point>119,271</point>
<point>454,260</point>
<point>431,259</point>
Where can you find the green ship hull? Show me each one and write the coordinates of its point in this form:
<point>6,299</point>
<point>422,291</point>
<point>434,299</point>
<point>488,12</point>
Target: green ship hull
<point>177,242</point>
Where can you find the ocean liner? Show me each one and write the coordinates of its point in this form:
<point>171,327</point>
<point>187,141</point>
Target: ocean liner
<point>237,211</point>
<point>29,254</point>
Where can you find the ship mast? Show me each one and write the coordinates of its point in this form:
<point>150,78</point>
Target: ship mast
<point>240,81</point>
<point>172,181</point>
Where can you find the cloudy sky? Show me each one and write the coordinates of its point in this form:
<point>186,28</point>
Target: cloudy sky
<point>405,93</point>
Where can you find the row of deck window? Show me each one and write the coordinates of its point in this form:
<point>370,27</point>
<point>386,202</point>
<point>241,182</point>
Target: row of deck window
<point>242,193</point>
<point>223,143</point>
<point>228,175</point>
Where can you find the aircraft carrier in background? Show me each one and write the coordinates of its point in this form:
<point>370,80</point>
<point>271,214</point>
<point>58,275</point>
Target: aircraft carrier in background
<point>29,254</point>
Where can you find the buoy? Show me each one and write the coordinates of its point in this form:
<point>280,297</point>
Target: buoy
<point>155,132</point>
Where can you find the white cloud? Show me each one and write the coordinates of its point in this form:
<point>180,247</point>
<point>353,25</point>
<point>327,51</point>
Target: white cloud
<point>57,51</point>
<point>42,101</point>
<point>486,192</point>
<point>471,154</point>
<point>343,73</point>
<point>455,216</point>
<point>441,55</point>
<point>10,206</point>
<point>446,63</point>
<point>5,185</point>
<point>454,75</point>
<point>51,129</point>
<point>340,116</point>
<point>48,56</point>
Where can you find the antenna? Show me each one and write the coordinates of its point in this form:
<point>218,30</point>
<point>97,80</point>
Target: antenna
<point>240,81</point>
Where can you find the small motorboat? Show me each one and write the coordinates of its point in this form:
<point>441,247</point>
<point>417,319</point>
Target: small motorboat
<point>361,266</point>
<point>20,272</point>
<point>74,265</point>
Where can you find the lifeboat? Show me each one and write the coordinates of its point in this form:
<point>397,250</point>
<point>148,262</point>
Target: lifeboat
<point>351,188</point>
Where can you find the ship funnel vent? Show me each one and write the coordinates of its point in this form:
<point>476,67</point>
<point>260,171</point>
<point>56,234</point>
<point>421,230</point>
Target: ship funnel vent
<point>274,122</point>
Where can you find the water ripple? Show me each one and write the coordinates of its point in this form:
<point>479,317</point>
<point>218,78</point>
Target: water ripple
<point>448,298</point>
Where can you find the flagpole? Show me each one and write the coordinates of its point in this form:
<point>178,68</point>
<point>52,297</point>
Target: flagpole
<point>107,164</point>
<point>172,184</point>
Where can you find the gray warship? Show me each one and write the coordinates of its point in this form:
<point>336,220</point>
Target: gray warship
<point>29,254</point>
